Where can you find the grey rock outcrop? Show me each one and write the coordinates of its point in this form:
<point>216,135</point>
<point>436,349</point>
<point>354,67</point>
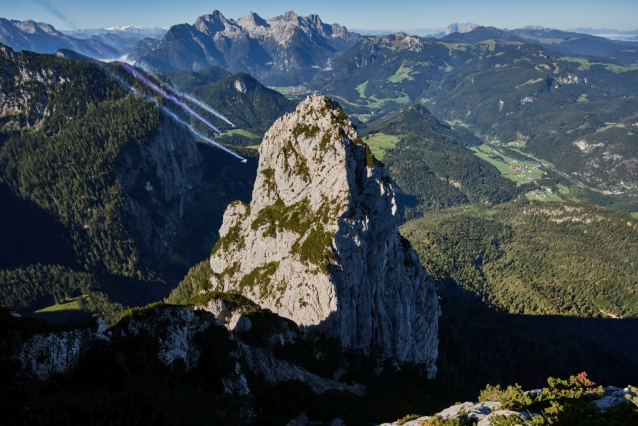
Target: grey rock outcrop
<point>484,412</point>
<point>44,355</point>
<point>175,330</point>
<point>239,323</point>
<point>477,412</point>
<point>613,396</point>
<point>319,243</point>
<point>177,333</point>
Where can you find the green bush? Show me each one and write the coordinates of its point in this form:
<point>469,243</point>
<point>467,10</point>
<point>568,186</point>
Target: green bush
<point>407,418</point>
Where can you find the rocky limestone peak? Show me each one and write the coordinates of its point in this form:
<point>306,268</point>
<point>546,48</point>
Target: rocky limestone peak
<point>319,243</point>
<point>460,28</point>
<point>213,23</point>
<point>28,26</point>
<point>49,29</point>
<point>399,41</point>
<point>290,16</point>
<point>251,19</point>
<point>315,19</point>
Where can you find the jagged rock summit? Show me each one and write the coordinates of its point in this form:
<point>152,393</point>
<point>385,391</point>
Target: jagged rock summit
<point>319,243</point>
<point>281,51</point>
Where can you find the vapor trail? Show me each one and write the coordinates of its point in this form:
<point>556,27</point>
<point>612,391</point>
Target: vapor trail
<point>201,104</point>
<point>175,117</point>
<point>165,94</point>
<point>199,135</point>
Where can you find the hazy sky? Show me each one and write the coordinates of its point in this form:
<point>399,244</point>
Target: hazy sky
<point>362,14</point>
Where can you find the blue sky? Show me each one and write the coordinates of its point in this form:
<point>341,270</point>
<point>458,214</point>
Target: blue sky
<point>361,14</point>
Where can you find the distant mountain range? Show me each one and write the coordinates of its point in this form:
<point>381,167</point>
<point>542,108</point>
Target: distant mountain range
<point>421,32</point>
<point>284,50</point>
<point>129,31</point>
<point>607,33</point>
<point>44,38</point>
<point>100,43</point>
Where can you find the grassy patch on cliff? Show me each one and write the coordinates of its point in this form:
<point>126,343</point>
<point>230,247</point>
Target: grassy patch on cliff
<point>261,278</point>
<point>296,218</point>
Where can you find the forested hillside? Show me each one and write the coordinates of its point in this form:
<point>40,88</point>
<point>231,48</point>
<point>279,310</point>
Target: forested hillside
<point>247,103</point>
<point>103,195</point>
<point>536,258</point>
<point>244,101</point>
<point>432,167</point>
<point>559,107</point>
<point>528,289</point>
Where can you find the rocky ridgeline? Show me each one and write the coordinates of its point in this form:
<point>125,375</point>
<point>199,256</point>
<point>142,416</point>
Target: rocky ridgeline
<point>485,413</point>
<point>282,51</point>
<point>177,335</point>
<point>319,243</point>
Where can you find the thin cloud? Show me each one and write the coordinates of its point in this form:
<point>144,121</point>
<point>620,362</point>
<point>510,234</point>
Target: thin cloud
<point>54,10</point>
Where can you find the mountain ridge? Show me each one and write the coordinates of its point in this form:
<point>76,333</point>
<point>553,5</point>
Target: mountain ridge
<point>267,49</point>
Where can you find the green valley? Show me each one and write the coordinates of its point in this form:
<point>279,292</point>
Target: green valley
<point>518,171</point>
<point>432,165</point>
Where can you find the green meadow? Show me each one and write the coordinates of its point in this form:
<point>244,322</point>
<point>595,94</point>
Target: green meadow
<point>506,165</point>
<point>379,142</point>
<point>242,132</point>
<point>59,313</point>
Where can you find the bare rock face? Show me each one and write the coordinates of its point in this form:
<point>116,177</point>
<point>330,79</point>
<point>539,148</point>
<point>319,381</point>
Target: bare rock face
<point>319,243</point>
<point>460,28</point>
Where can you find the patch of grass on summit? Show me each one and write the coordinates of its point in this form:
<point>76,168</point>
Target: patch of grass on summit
<point>379,142</point>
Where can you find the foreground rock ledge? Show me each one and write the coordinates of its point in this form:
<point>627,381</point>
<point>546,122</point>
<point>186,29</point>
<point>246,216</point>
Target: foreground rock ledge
<point>319,243</point>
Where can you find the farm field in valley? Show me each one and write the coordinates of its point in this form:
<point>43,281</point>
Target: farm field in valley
<point>518,171</point>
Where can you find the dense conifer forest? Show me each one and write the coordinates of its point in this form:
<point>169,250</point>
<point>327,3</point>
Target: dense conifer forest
<point>65,226</point>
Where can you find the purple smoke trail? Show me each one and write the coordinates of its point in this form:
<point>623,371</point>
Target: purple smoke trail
<point>165,94</point>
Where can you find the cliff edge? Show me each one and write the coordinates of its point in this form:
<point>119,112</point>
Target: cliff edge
<point>319,243</point>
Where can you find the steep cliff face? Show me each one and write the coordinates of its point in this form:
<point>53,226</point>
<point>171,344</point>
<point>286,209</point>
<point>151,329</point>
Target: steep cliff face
<point>161,179</point>
<point>319,243</point>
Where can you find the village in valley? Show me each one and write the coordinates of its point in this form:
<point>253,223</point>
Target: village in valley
<point>519,171</point>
